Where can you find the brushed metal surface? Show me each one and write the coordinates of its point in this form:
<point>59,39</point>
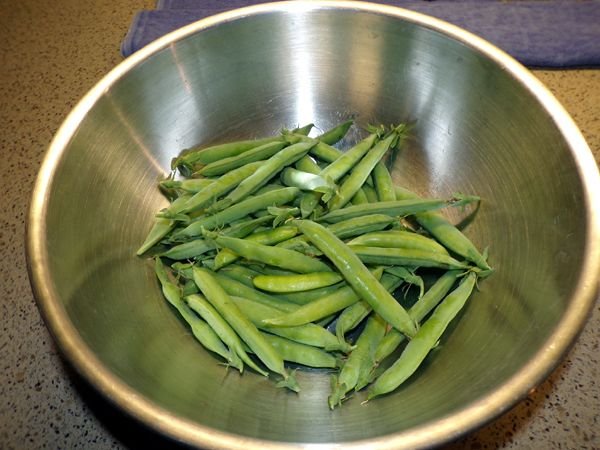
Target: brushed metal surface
<point>482,124</point>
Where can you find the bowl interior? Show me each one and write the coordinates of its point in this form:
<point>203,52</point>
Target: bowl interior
<point>477,129</point>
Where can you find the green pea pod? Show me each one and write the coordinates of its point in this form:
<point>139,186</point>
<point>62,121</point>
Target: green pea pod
<point>296,283</point>
<point>200,329</point>
<point>246,330</point>
<point>384,185</point>
<point>307,355</point>
<point>307,181</point>
<point>358,276</point>
<point>192,185</point>
<point>446,233</point>
<point>335,134</point>
<point>360,172</point>
<point>274,256</point>
<point>418,311</point>
<point>237,211</point>
<point>405,257</point>
<point>309,334</point>
<point>160,228</point>
<point>321,307</point>
<point>225,165</point>
<point>424,340</point>
<point>359,361</point>
<point>268,237</point>
<point>205,310</point>
<point>263,174</point>
<point>219,187</point>
<point>394,208</point>
<point>399,239</point>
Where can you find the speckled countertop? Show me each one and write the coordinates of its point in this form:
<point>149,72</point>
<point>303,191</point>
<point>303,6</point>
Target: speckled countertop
<point>51,54</point>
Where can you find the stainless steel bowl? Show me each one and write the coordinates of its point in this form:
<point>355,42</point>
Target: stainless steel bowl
<point>483,124</point>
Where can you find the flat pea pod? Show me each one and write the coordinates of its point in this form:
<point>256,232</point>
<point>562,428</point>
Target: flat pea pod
<point>198,247</point>
<point>424,340</point>
<point>337,169</point>
<point>188,158</point>
<point>298,353</point>
<point>418,311</point>
<point>360,172</point>
<point>446,233</point>
<point>245,329</point>
<point>264,173</point>
<point>161,227</point>
<point>267,237</point>
<point>405,257</point>
<point>384,185</point>
<point>358,276</point>
<point>360,198</point>
<point>335,134</point>
<point>237,211</point>
<point>205,310</point>
<point>320,308</point>
<point>225,165</point>
<point>309,334</point>
<point>218,187</point>
<point>274,256</point>
<point>240,273</point>
<point>190,185</point>
<point>394,208</point>
<point>307,181</point>
<point>370,193</point>
<point>296,283</point>
<point>238,289</point>
<point>360,359</point>
<point>200,329</point>
<point>305,297</point>
<point>307,164</point>
<point>347,228</point>
<point>399,239</point>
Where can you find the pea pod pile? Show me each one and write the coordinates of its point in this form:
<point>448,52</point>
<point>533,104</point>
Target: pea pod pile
<point>286,252</point>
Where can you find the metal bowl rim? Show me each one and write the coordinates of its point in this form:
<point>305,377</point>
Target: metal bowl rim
<point>428,434</point>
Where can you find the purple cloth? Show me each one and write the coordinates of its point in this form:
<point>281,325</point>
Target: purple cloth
<point>546,33</point>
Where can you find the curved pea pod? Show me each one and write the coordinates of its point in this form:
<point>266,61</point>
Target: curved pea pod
<point>425,339</point>
<point>205,310</point>
<point>161,227</point>
<point>335,134</point>
<point>382,179</point>
<point>405,257</point>
<point>225,165</point>
<point>418,311</point>
<point>191,185</point>
<point>399,239</point>
<point>358,276</point>
<point>305,297</point>
<point>274,256</point>
<point>238,289</point>
<point>360,360</point>
<point>245,329</point>
<point>393,208</point>
<point>264,173</point>
<point>200,329</point>
<point>446,233</point>
<point>240,273</point>
<point>237,211</point>
<point>188,158</point>
<point>321,307</point>
<point>307,181</point>
<point>188,250</point>
<point>296,283</point>
<point>298,353</point>
<point>268,237</point>
<point>218,187</point>
<point>307,164</point>
<point>309,334</point>
<point>360,172</point>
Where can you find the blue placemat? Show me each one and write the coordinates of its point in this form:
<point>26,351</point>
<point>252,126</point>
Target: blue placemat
<point>538,33</point>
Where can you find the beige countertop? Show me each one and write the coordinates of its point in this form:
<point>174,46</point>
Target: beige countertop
<point>51,54</point>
